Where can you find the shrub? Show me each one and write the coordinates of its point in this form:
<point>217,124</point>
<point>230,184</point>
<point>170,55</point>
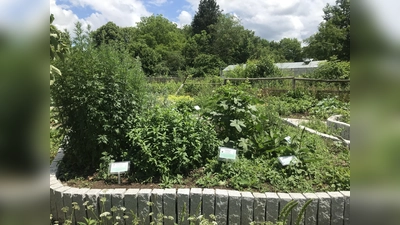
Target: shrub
<point>101,90</point>
<point>167,142</point>
<point>232,111</point>
<point>333,69</point>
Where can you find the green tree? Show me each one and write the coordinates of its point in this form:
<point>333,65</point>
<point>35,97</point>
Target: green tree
<point>166,40</point>
<point>333,36</point>
<point>107,34</point>
<point>231,42</point>
<point>291,49</point>
<point>207,15</point>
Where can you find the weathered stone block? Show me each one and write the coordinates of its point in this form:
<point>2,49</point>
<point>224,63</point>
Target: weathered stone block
<point>337,208</point>
<point>346,195</point>
<point>183,206</point>
<point>117,200</point>
<point>208,207</point>
<point>260,204</point>
<point>59,203</point>
<point>296,210</point>
<point>235,202</point>
<point>131,205</point>
<point>272,211</point>
<point>221,206</point>
<point>170,206</point>
<point>105,200</point>
<point>284,200</point>
<point>310,217</point>
<point>92,198</point>
<point>324,208</point>
<point>247,208</point>
<point>157,207</point>
<point>143,206</point>
<point>79,197</point>
<point>195,201</point>
<point>67,197</point>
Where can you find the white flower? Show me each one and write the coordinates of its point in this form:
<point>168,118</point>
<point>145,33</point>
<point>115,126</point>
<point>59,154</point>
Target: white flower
<point>105,214</point>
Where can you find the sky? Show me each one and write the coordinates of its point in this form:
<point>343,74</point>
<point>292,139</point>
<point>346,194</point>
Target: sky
<point>272,19</point>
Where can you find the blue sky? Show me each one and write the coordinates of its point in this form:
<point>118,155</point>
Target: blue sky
<point>272,19</point>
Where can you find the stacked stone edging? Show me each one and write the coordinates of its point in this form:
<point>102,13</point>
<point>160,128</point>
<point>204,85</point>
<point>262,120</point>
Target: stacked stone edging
<point>333,123</point>
<point>229,207</point>
<point>295,123</point>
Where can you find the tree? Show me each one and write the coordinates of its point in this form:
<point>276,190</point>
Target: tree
<point>207,15</point>
<point>291,49</point>
<point>333,36</point>
<point>107,34</point>
<point>231,42</point>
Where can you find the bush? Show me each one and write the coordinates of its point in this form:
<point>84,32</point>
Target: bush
<point>99,94</point>
<point>168,142</point>
<point>333,70</point>
<point>232,111</point>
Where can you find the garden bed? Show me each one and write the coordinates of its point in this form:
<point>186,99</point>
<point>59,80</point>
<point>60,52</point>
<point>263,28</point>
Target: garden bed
<point>180,205</point>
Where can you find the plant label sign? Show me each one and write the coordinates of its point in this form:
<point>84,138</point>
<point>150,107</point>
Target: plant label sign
<point>119,167</point>
<point>286,160</point>
<point>227,153</point>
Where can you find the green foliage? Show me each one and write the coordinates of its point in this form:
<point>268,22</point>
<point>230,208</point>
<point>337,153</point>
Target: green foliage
<point>328,107</point>
<point>205,64</point>
<point>292,102</point>
<point>232,112</point>
<point>168,142</point>
<point>333,70</point>
<point>291,49</point>
<point>97,97</point>
<point>55,142</point>
<point>333,36</point>
<point>265,67</point>
<point>109,33</point>
<point>58,48</point>
<point>207,15</point>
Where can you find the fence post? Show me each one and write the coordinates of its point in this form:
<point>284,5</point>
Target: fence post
<point>294,84</point>
<point>224,81</point>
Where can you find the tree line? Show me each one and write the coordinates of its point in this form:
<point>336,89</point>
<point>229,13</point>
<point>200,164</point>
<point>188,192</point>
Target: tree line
<point>214,40</point>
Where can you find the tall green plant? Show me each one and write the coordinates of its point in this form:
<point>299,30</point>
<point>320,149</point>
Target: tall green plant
<point>233,112</point>
<point>99,94</point>
<point>169,140</point>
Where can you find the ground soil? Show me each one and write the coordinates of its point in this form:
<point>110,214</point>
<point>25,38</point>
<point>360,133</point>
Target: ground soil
<point>101,184</point>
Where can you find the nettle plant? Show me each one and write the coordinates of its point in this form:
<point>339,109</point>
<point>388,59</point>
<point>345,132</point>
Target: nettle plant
<point>168,141</point>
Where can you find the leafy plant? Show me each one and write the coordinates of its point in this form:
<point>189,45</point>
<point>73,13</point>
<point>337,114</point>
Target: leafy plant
<point>233,113</point>
<point>330,106</point>
<point>98,96</point>
<point>167,142</point>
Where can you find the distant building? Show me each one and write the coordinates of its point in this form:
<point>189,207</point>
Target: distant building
<point>297,68</point>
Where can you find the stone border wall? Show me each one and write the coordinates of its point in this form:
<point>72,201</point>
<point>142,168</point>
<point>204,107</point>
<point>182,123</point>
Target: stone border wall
<point>229,207</point>
<point>333,123</point>
<point>296,123</point>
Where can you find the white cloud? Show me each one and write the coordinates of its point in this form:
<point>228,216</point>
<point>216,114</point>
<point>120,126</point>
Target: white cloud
<point>157,2</point>
<point>275,19</point>
<point>64,17</point>
<point>123,13</point>
<point>184,19</point>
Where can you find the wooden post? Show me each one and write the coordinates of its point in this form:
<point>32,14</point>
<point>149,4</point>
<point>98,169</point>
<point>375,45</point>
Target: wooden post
<point>294,84</point>
<point>224,81</point>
